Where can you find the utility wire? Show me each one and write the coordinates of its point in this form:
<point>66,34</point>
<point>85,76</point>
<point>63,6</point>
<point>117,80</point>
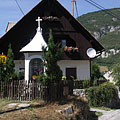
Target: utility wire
<point>102,8</point>
<point>19,7</point>
<point>105,9</point>
<point>97,6</point>
<point>76,8</point>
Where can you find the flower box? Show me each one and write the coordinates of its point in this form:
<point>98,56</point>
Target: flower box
<point>70,49</point>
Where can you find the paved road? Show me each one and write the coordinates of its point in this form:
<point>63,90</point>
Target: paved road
<point>108,115</point>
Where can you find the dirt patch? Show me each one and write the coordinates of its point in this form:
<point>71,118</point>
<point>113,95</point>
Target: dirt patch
<point>39,110</point>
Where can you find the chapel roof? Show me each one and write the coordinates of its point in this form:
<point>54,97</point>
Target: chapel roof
<point>36,44</point>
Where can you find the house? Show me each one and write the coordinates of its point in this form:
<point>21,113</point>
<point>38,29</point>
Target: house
<point>66,30</point>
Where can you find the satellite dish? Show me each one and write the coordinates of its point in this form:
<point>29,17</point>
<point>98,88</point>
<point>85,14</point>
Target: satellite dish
<point>91,52</point>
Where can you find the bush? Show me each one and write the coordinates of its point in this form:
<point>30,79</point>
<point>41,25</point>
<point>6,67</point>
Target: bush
<point>15,77</point>
<point>102,95</point>
<point>95,82</point>
<point>86,83</point>
<point>116,74</point>
<point>21,74</point>
<point>43,78</point>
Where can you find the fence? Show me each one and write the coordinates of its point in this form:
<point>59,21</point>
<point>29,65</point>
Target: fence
<point>19,90</point>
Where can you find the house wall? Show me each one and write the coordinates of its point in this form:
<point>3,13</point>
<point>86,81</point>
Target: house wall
<point>34,53</point>
<point>19,64</point>
<point>82,67</point>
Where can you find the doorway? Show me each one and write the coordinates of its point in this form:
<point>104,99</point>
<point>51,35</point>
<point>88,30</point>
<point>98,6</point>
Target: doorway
<point>71,73</point>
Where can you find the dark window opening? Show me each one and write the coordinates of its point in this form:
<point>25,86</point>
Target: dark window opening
<point>70,43</point>
<point>71,73</point>
<point>63,43</point>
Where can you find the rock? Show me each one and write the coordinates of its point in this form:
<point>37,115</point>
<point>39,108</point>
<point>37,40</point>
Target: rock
<point>96,35</point>
<point>114,19</point>
<point>112,29</point>
<point>68,110</point>
<point>79,92</point>
<point>59,111</point>
<point>23,105</point>
<point>11,105</point>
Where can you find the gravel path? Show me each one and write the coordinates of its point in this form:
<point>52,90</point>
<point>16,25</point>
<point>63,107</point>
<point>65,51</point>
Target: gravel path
<point>108,115</point>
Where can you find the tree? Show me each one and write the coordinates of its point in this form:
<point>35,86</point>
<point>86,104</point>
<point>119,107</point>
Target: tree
<point>95,71</point>
<point>2,71</point>
<point>10,64</point>
<point>96,76</point>
<point>51,55</point>
<point>116,73</point>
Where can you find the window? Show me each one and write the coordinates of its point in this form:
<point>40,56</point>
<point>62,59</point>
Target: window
<point>63,43</point>
<point>36,67</point>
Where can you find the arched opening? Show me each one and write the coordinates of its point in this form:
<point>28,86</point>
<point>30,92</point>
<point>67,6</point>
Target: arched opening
<point>36,67</point>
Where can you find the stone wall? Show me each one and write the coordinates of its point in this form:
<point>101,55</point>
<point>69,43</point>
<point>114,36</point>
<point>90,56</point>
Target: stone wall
<point>79,92</point>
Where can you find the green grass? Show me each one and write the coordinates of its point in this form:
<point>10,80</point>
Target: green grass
<point>103,108</point>
<point>4,102</point>
<point>98,114</point>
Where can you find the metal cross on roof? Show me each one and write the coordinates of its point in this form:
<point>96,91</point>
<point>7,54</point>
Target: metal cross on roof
<point>39,20</point>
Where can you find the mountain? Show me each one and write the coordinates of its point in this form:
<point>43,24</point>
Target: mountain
<point>106,29</point>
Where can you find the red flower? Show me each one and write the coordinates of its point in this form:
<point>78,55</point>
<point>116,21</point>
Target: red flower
<point>69,49</point>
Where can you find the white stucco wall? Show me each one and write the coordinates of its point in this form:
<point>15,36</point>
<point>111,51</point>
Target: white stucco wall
<point>19,64</point>
<point>82,66</point>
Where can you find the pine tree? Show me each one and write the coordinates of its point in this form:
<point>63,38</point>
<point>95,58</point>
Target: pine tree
<point>2,71</point>
<point>10,64</point>
<point>51,56</point>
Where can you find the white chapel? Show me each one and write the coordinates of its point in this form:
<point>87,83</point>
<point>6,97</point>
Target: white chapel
<point>32,52</point>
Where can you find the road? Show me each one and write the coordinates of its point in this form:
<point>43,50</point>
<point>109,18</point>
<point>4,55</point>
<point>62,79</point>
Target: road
<point>108,115</point>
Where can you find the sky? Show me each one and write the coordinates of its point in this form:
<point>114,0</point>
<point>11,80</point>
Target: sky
<point>9,11</point>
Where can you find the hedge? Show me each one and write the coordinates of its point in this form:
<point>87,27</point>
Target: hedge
<point>102,95</point>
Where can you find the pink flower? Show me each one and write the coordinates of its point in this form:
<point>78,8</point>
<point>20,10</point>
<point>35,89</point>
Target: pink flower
<point>76,49</point>
<point>65,48</point>
<point>40,72</point>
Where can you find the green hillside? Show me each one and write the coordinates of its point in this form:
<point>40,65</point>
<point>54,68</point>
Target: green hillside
<point>111,40</point>
<point>110,61</point>
<point>106,29</point>
<point>96,20</point>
